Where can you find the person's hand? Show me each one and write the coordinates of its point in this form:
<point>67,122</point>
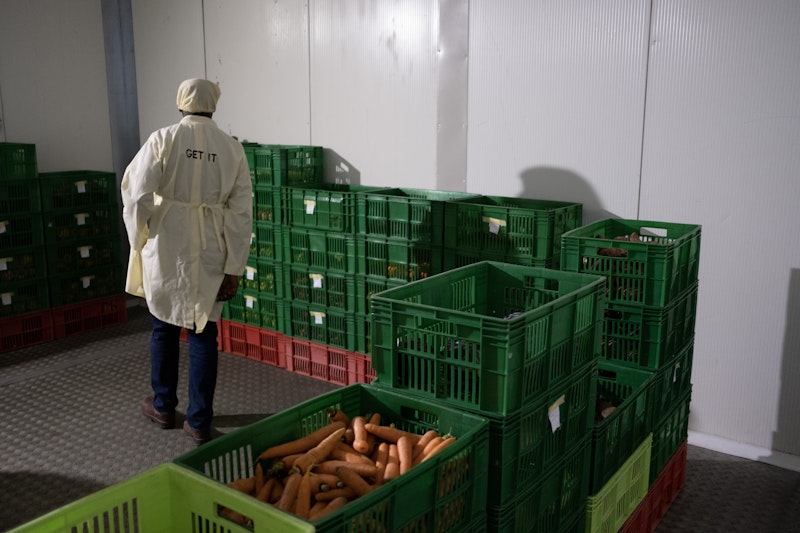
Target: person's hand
<point>227,288</point>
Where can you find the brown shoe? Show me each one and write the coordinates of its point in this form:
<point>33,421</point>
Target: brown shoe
<point>163,420</point>
<point>199,437</point>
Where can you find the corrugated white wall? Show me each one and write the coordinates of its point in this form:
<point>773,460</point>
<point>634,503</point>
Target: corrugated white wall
<point>671,110</point>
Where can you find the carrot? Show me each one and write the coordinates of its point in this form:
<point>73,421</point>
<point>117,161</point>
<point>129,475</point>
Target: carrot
<point>259,478</point>
<point>372,440</point>
<point>303,444</point>
<point>381,458</point>
<point>289,460</point>
<point>392,464</point>
<point>244,485</point>
<point>330,466</point>
<point>277,491</point>
<point>316,508</point>
<point>302,504</point>
<point>391,434</point>
<point>447,441</point>
<point>353,480</point>
<point>348,436</point>
<point>320,452</point>
<point>423,441</point>
<point>264,492</point>
<point>324,482</point>
<point>404,453</point>
<point>427,449</point>
<point>360,443</point>
<point>332,506</point>
<point>345,452</point>
<point>337,415</point>
<point>290,489</point>
<point>347,492</point>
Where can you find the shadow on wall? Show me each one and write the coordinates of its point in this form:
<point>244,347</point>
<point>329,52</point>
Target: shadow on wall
<point>339,170</point>
<point>786,438</point>
<point>550,183</point>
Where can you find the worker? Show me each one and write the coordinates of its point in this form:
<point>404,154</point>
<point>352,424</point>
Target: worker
<point>187,208</point>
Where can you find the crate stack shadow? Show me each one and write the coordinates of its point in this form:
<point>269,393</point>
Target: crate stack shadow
<point>59,242</point>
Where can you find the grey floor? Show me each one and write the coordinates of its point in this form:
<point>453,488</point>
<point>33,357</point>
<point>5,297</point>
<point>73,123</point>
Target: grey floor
<point>70,425</point>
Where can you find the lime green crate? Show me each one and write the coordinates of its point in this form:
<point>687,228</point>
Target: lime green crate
<point>519,229</point>
<point>267,204</point>
<point>554,502</point>
<point>325,206</point>
<point>27,296</point>
<point>610,507</point>
<point>649,337</point>
<point>75,189</point>
<point>489,336</point>
<point>397,259</point>
<point>18,161</point>
<point>20,230</point>
<point>368,286</point>
<point>165,499</point>
<point>456,258</point>
<point>673,380</point>
<point>20,197</point>
<point>446,493</point>
<point>263,275</point>
<point>101,221</point>
<point>255,308</point>
<point>319,287</point>
<point>320,324</point>
<point>21,264</point>
<point>615,437</point>
<point>669,432</point>
<point>266,241</point>
<point>412,214</point>
<point>652,273</point>
<point>85,284</point>
<point>329,250</point>
<point>82,254</point>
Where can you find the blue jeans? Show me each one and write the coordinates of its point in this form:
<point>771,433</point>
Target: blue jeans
<point>203,362</point>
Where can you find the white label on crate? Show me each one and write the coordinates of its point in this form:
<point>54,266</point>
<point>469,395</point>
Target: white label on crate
<point>81,186</point>
<point>80,218</point>
<point>84,251</point>
<point>86,281</point>
<point>6,298</point>
<point>310,205</point>
<point>554,414</point>
<point>4,263</point>
<point>318,317</point>
<point>252,238</point>
<point>675,373</point>
<point>250,273</point>
<point>249,302</point>
<point>316,280</point>
<point>494,224</point>
<point>3,226</point>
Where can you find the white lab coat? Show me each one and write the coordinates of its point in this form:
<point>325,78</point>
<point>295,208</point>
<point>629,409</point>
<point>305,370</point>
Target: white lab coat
<point>187,207</point>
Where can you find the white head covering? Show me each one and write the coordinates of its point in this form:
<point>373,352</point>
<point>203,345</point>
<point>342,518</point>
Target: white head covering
<point>197,95</point>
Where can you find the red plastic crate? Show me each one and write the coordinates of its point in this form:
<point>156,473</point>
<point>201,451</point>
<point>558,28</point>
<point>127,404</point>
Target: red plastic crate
<point>89,315</point>
<point>185,335</point>
<point>255,343</point>
<point>319,361</point>
<point>25,330</point>
<point>359,368</point>
<point>660,495</point>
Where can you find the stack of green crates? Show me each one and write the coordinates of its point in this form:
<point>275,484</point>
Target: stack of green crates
<point>651,270</point>
<point>518,345</point>
<point>23,268</point>
<point>80,210</point>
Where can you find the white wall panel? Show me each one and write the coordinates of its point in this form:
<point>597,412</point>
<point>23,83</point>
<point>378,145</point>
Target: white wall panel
<point>373,89</point>
<point>258,52</point>
<point>556,95</point>
<point>722,149</point>
<point>53,75</point>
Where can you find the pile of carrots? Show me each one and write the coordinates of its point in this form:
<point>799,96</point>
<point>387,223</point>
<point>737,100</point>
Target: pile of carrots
<point>349,457</point>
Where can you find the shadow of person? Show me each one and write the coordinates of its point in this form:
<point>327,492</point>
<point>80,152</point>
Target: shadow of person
<point>551,183</point>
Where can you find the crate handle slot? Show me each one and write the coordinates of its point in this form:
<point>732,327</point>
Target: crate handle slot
<point>234,516</point>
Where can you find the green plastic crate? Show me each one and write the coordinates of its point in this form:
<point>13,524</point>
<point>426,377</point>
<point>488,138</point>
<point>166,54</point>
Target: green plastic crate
<point>18,161</point>
<point>263,275</point>
<point>266,241</point>
<point>27,296</point>
<point>86,284</point>
<point>86,223</point>
<point>278,165</point>
<point>165,499</point>
<point>669,432</point>
<point>446,493</point>
<point>255,308</point>
<point>75,189</point>
<point>455,337</point>
<point>673,380</point>
<point>397,259</point>
<point>320,324</point>
<point>456,258</point>
<point>651,273</point>
<point>648,337</point>
<point>82,254</point>
<point>609,508</point>
<point>319,287</point>
<point>267,164</point>
<point>21,264</point>
<point>305,165</point>
<point>328,250</point>
<point>615,437</point>
<point>267,204</point>
<point>20,197</point>
<point>367,286</point>
<point>325,206</point>
<point>20,230</point>
<point>411,214</point>
<point>519,229</point>
<point>552,503</point>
